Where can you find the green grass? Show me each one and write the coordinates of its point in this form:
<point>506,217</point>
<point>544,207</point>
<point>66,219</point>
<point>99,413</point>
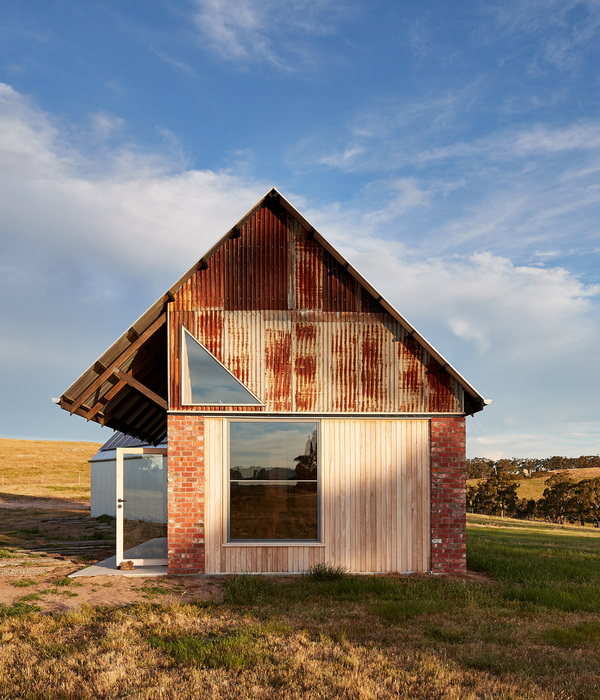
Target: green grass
<point>239,649</point>
<point>538,565</point>
<point>18,609</point>
<point>24,582</point>
<point>528,627</point>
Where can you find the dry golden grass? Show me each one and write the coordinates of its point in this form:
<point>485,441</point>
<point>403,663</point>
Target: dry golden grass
<point>532,632</point>
<point>324,648</point>
<point>533,487</point>
<point>63,466</point>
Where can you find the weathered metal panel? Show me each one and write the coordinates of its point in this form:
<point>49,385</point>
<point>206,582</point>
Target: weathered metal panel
<point>375,343</point>
<point>278,374</point>
<point>244,349</point>
<point>207,327</point>
<point>307,366</point>
<point>289,321</point>
<point>411,375</point>
<point>256,263</point>
<point>443,392</point>
<point>308,273</point>
<point>342,355</point>
<point>340,289</point>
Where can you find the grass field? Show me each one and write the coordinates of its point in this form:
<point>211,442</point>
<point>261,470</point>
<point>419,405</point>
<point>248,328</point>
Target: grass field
<point>526,626</point>
<point>46,468</point>
<point>523,623</point>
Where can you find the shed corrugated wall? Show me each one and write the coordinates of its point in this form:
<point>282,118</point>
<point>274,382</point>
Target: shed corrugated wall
<point>299,331</point>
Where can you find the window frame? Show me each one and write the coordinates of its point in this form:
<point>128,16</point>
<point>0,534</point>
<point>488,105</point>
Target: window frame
<point>185,377</point>
<point>227,479</point>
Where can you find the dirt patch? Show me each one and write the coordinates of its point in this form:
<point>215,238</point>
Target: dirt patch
<point>12,501</point>
<point>470,577</point>
<point>43,540</point>
<point>51,590</point>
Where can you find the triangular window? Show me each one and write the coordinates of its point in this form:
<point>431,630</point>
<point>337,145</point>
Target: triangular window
<point>206,382</point>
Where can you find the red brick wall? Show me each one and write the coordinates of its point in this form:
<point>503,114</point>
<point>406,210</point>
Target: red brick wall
<point>448,485</point>
<point>186,494</point>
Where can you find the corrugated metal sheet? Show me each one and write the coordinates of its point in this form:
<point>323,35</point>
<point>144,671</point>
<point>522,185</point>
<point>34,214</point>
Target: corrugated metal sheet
<point>272,261</point>
<point>293,325</point>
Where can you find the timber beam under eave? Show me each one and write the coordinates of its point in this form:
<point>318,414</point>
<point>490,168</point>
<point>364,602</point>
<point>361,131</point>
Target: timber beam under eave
<point>126,354</point>
<point>138,386</point>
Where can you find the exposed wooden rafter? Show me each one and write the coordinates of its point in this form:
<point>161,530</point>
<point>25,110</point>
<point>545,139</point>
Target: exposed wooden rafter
<point>138,386</point>
<point>110,394</point>
<point>126,354</point>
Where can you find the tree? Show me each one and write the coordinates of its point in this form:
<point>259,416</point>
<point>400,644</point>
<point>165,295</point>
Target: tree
<point>480,468</point>
<point>556,502</point>
<point>506,488</point>
<point>471,495</point>
<point>580,504</point>
<point>496,495</point>
<point>594,496</point>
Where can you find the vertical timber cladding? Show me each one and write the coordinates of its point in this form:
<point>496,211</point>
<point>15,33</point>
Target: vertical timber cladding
<point>293,325</point>
<point>375,492</point>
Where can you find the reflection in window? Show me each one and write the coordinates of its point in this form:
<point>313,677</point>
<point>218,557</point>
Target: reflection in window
<point>206,382</point>
<point>273,491</point>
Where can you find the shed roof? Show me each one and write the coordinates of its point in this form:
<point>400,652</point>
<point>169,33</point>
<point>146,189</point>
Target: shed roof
<point>126,388</point>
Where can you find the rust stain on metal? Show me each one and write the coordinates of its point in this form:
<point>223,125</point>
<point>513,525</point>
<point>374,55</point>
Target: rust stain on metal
<point>412,376</point>
<point>441,388</point>
<point>291,323</point>
<point>340,289</point>
<point>255,274</point>
<point>238,351</point>
<point>305,367</point>
<point>278,374</point>
<point>372,390</point>
<point>344,364</point>
<point>308,273</point>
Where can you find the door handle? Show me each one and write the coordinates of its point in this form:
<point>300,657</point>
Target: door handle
<point>121,500</point>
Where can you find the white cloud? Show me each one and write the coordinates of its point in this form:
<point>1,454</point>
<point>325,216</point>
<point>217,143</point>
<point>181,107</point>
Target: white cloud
<point>564,30</point>
<point>105,125</point>
<point>524,334</point>
<point>267,31</point>
<point>53,196</point>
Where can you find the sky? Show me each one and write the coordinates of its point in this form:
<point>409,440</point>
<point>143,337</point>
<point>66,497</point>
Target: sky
<point>449,150</point>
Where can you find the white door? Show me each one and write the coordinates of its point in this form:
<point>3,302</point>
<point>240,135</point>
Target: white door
<point>141,506</point>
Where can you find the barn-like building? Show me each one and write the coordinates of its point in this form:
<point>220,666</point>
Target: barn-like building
<point>307,422</point>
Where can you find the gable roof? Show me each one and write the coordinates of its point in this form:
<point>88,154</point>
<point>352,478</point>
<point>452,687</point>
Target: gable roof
<point>126,388</point>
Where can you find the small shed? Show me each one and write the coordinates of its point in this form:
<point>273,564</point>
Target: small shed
<point>307,421</point>
<point>144,472</point>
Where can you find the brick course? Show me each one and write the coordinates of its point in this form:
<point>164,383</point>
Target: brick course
<point>448,487</point>
<point>185,493</point>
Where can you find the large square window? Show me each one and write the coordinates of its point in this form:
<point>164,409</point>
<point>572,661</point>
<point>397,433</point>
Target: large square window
<point>273,481</point>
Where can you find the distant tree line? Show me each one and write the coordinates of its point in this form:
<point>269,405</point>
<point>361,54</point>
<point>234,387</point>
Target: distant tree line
<point>564,499</point>
<point>482,468</point>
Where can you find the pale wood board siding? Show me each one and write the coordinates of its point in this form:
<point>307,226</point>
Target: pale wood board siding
<point>213,510</point>
<point>374,495</point>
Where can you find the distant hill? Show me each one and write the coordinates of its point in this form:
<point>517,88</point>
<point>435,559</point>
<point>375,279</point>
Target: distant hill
<point>533,486</point>
<point>46,468</point>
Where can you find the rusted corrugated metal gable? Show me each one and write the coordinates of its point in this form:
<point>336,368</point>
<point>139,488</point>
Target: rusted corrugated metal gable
<point>292,324</point>
<point>290,318</point>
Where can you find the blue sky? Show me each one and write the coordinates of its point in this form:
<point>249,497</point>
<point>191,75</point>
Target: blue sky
<point>451,151</point>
